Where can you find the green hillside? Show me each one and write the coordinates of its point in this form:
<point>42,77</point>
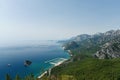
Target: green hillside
<point>89,69</point>
<point>86,69</point>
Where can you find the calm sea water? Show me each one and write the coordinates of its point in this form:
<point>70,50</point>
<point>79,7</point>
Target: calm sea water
<point>40,55</point>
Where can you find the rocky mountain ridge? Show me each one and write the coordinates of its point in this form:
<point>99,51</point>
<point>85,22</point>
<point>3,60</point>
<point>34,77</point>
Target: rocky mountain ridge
<point>101,45</point>
<point>109,50</point>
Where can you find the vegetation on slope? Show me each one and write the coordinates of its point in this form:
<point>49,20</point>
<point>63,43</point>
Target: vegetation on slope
<point>17,77</point>
<point>89,69</point>
<point>91,44</point>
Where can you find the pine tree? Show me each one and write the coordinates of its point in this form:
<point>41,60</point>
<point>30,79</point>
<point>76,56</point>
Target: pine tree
<point>17,77</point>
<point>8,77</point>
<point>32,76</point>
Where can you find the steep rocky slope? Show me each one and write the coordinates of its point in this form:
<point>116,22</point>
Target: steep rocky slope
<point>101,45</point>
<point>109,50</point>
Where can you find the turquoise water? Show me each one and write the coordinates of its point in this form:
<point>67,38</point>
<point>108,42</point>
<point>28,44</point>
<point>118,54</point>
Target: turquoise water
<point>40,55</point>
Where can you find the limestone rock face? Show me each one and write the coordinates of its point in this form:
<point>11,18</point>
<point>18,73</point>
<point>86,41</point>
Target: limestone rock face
<point>109,50</point>
<point>101,45</point>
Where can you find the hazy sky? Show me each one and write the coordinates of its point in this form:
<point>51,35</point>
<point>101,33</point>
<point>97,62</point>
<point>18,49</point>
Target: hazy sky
<point>56,19</point>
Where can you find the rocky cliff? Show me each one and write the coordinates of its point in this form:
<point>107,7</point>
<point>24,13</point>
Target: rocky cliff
<point>109,50</point>
<point>101,45</point>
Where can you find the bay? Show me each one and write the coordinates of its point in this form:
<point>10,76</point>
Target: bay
<point>41,56</point>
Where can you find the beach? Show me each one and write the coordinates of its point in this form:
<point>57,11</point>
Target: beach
<point>49,70</point>
<point>55,63</point>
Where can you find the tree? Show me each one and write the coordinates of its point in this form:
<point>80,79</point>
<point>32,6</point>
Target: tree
<point>8,77</point>
<point>17,77</point>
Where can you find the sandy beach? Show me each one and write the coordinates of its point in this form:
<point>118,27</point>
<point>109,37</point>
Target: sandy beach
<point>55,64</point>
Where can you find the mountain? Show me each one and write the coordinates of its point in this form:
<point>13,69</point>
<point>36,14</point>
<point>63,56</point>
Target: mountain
<point>101,45</point>
<point>109,50</point>
<point>81,37</point>
<point>92,58</point>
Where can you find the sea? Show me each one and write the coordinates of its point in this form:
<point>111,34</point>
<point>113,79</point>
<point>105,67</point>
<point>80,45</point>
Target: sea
<point>42,56</point>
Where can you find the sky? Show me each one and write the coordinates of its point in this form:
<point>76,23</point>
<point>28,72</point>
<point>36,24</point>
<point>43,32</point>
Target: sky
<point>56,19</point>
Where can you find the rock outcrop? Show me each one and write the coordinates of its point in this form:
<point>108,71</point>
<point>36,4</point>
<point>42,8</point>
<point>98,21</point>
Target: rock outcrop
<point>101,45</point>
<point>109,50</point>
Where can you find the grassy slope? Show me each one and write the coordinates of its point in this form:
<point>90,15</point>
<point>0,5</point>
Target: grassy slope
<point>90,69</point>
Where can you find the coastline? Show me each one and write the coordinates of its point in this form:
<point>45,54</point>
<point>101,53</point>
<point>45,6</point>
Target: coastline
<point>49,70</point>
<point>55,64</point>
<point>42,74</point>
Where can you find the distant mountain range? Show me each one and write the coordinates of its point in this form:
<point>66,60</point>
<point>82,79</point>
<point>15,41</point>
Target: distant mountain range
<point>100,45</point>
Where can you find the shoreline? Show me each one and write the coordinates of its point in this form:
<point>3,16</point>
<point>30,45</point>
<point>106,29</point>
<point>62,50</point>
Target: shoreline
<point>55,64</point>
<point>42,74</point>
<point>49,70</point>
